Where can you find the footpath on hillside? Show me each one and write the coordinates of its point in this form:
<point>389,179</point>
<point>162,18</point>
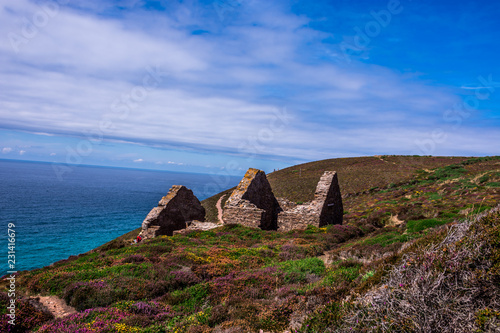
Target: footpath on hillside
<point>219,209</point>
<point>56,306</point>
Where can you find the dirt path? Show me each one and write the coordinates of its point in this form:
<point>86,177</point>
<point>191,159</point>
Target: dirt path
<point>219,209</point>
<point>56,306</point>
<point>382,159</point>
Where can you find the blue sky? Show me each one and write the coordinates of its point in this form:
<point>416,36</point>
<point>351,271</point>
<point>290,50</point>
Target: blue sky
<point>205,86</point>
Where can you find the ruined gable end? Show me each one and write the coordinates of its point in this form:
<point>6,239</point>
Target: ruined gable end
<point>328,196</point>
<point>252,203</point>
<point>326,207</point>
<point>175,210</point>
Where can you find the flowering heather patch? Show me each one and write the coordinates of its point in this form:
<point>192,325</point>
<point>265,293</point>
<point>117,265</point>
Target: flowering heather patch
<point>246,284</point>
<point>91,320</point>
<point>29,314</point>
<point>134,258</point>
<point>89,294</point>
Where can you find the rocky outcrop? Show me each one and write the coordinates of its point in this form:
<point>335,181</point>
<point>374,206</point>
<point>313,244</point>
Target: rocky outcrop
<point>326,207</point>
<point>174,212</point>
<point>252,203</point>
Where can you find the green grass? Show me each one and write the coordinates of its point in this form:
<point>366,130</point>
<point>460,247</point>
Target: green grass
<point>450,215</point>
<point>297,270</point>
<point>420,225</point>
<point>393,202</point>
<point>435,196</point>
<point>346,272</point>
<point>480,209</point>
<point>448,172</point>
<point>190,298</point>
<point>385,239</point>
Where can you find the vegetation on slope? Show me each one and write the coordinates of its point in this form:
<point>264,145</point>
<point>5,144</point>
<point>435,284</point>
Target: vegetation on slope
<point>452,286</point>
<point>236,279</point>
<point>356,175</point>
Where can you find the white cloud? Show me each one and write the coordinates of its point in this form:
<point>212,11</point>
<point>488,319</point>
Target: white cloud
<point>138,160</point>
<point>109,45</point>
<point>44,134</point>
<point>22,152</point>
<point>222,89</point>
<point>6,150</point>
<point>53,154</point>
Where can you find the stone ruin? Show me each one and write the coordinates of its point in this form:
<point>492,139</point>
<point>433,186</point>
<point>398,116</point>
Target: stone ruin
<point>253,204</point>
<point>326,207</point>
<point>175,211</point>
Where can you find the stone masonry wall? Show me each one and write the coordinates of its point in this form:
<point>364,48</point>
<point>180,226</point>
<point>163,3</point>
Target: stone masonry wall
<point>328,191</point>
<point>326,207</point>
<point>252,203</point>
<point>247,216</point>
<point>174,211</point>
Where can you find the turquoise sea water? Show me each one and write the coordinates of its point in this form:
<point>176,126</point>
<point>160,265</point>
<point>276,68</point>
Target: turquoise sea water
<point>56,218</point>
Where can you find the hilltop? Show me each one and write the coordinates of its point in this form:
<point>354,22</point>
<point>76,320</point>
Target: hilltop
<point>413,254</point>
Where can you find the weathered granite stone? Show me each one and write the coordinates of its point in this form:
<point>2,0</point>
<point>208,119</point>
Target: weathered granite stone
<point>252,203</point>
<point>326,207</point>
<point>286,204</point>
<point>175,210</point>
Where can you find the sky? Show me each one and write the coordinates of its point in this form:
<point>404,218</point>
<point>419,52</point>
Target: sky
<point>223,85</point>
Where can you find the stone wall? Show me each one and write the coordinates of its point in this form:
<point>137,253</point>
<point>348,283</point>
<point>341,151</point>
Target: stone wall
<point>330,199</point>
<point>326,207</point>
<point>248,216</point>
<point>252,203</point>
<point>175,210</point>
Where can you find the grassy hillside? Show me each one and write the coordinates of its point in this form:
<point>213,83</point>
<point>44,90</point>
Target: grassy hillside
<point>356,174</point>
<point>411,257</point>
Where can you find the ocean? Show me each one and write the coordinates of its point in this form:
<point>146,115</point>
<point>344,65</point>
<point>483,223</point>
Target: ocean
<point>53,219</point>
